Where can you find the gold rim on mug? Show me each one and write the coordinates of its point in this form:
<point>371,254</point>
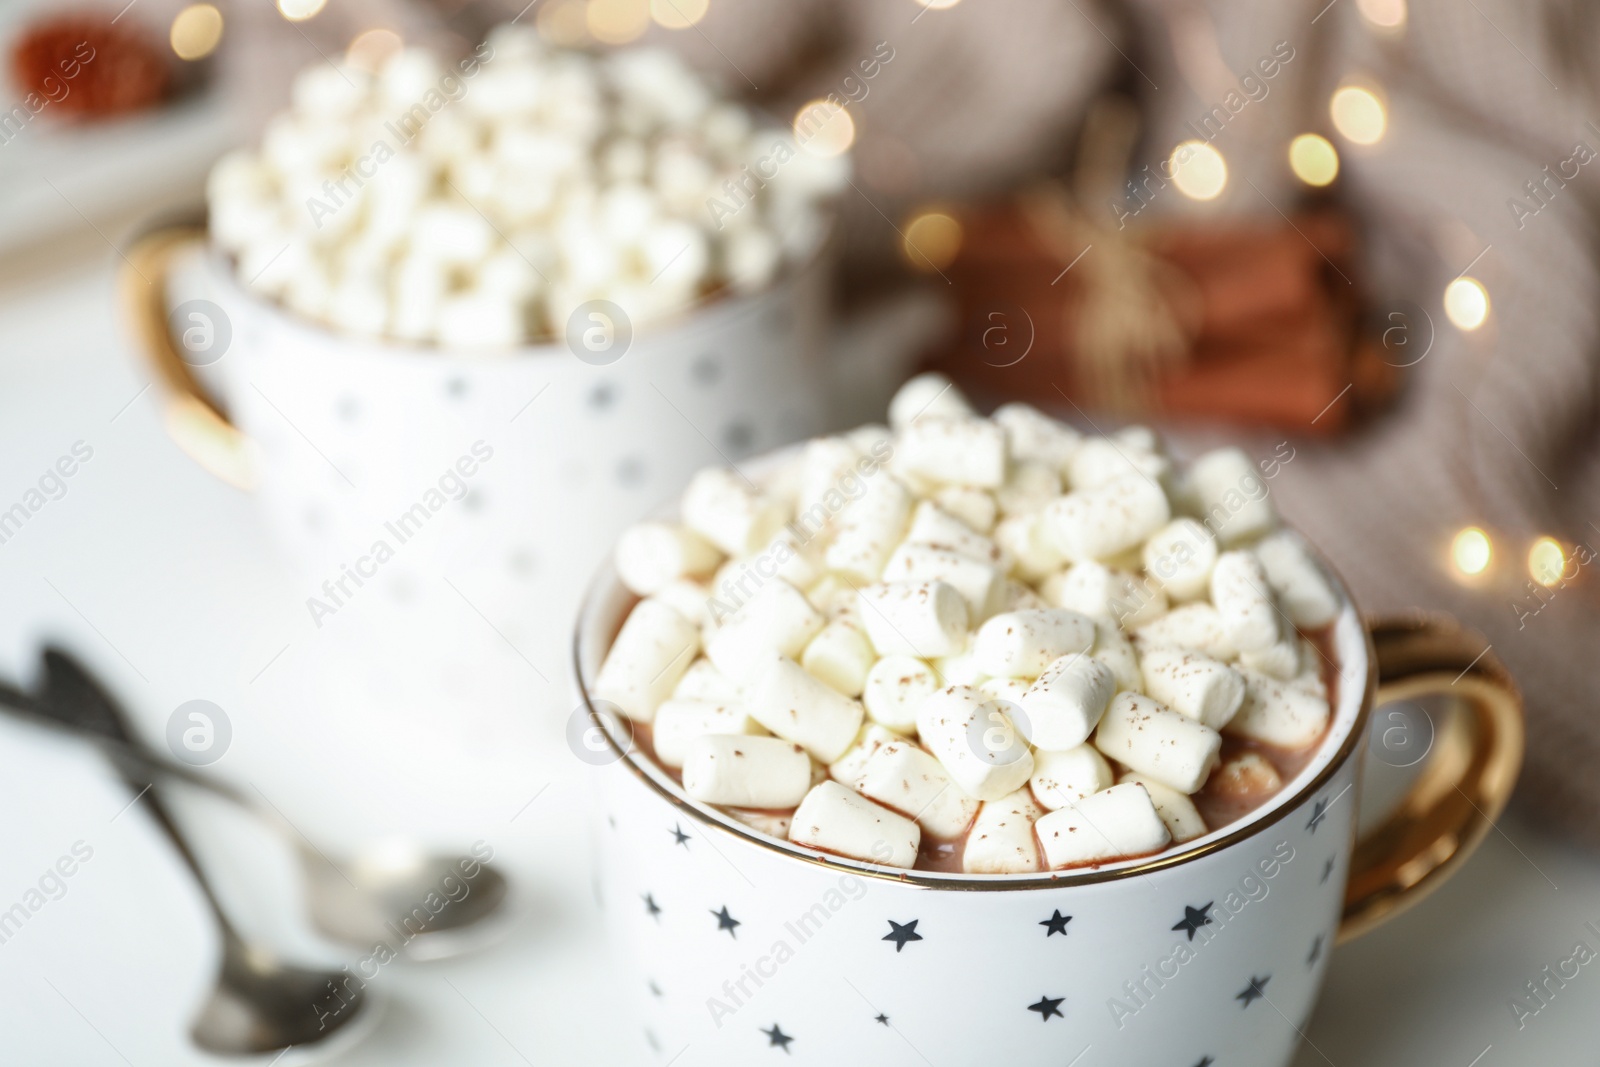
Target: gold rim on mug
<point>200,425</point>
<point>1413,852</point>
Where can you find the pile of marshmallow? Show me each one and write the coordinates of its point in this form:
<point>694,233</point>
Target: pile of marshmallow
<point>1016,640</point>
<point>479,204</point>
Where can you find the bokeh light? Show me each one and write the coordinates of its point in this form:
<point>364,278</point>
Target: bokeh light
<point>1466,303</point>
<point>824,128</point>
<point>938,5</point>
<point>1471,551</point>
<point>1358,114</point>
<point>300,10</point>
<point>1313,159</point>
<point>196,31</point>
<point>678,14</point>
<point>1547,561</point>
<point>564,23</point>
<point>1199,170</point>
<point>370,50</point>
<point>1384,14</point>
<point>618,21</point>
<point>932,239</point>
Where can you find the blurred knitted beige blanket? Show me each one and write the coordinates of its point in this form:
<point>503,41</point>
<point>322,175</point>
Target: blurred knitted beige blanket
<point>1497,427</point>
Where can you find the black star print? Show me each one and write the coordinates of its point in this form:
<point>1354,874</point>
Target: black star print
<point>1327,869</point>
<point>652,907</point>
<point>1318,813</point>
<point>679,837</point>
<point>601,397</point>
<point>1255,990</point>
<point>655,990</point>
<point>1047,1007</point>
<point>900,933</point>
<point>1057,923</point>
<point>1205,1061</point>
<point>612,819</point>
<point>777,1037</point>
<point>1194,918</point>
<point>1316,951</point>
<point>727,922</point>
<point>882,1020</point>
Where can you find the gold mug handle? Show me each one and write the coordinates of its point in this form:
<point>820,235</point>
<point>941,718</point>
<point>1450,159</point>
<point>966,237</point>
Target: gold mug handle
<point>195,422</point>
<point>1467,779</point>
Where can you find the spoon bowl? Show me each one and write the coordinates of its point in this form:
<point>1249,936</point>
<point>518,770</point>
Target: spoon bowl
<point>261,1005</point>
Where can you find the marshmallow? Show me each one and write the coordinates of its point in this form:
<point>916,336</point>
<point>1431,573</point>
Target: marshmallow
<point>1280,659</point>
<point>1152,739</point>
<point>1196,626</point>
<point>651,652</point>
<point>977,580</point>
<point>729,512</point>
<point>827,481</point>
<point>955,451</point>
<point>838,820</point>
<point>971,735</point>
<point>869,528</point>
<point>773,824</point>
<point>1066,702</point>
<point>777,620</point>
<point>1112,647</point>
<point>961,668</point>
<point>1016,596</point>
<point>1008,691</point>
<point>841,656</point>
<point>1029,486</point>
<point>703,682</point>
<point>651,554</point>
<point>932,525</point>
<point>799,707</point>
<point>1183,819</point>
<point>927,396</point>
<point>745,772</point>
<point>1198,686</point>
<point>1179,557</point>
<point>901,776</point>
<point>1034,436</point>
<point>973,506</point>
<point>922,619</point>
<point>679,721</point>
<point>1100,461</point>
<point>1102,592</point>
<point>1243,597</point>
<point>895,687</point>
<point>1021,644</point>
<point>847,768</point>
<point>1247,776</point>
<point>1232,495</point>
<point>1025,540</point>
<point>1116,823</point>
<point>1304,591</point>
<point>688,598</point>
<point>1001,839</point>
<point>1066,777</point>
<point>1288,714</point>
<point>1107,519</point>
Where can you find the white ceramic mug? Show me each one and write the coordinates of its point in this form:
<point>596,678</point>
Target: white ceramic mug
<point>401,480</point>
<point>739,946</point>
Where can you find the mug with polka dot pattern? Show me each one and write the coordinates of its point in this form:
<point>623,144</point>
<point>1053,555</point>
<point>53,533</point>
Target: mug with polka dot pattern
<point>411,483</point>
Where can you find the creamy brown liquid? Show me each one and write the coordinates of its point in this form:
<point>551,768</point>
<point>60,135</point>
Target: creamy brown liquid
<point>1217,806</point>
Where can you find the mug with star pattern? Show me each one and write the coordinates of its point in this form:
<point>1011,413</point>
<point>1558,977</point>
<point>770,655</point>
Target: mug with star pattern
<point>737,948</point>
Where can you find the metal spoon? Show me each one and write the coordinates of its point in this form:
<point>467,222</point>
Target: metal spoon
<point>259,1004</point>
<point>419,905</point>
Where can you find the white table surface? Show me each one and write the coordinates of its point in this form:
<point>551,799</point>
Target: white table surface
<point>155,574</point>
